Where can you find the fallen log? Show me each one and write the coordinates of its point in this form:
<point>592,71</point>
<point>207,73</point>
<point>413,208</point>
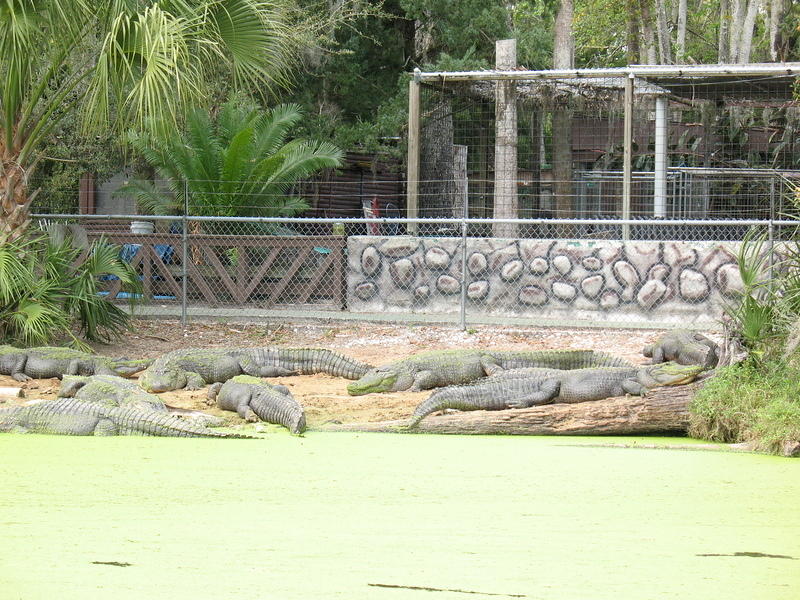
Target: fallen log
<point>664,411</point>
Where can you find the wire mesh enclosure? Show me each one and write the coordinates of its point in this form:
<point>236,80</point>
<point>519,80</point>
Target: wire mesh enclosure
<point>677,143</point>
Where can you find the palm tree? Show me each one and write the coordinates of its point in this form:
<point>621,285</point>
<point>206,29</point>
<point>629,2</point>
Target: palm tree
<point>239,164</point>
<point>119,63</point>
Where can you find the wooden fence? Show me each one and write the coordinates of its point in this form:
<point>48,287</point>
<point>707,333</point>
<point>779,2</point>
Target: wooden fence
<point>251,270</point>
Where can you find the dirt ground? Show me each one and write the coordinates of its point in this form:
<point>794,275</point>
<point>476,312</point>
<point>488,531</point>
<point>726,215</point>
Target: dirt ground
<point>325,398</point>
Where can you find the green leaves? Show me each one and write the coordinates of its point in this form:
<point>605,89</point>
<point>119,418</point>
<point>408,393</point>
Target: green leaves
<point>239,164</point>
<point>43,294</point>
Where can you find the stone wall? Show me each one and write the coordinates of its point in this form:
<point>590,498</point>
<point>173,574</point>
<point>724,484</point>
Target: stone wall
<point>680,282</point>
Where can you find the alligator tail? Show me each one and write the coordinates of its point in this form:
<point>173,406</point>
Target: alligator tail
<point>139,422</point>
<point>338,365</point>
<point>282,410</point>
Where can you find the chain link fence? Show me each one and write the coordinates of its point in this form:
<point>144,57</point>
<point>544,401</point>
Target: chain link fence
<point>438,270</point>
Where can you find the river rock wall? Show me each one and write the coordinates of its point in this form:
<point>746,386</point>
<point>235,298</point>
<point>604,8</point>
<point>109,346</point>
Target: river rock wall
<point>637,281</point>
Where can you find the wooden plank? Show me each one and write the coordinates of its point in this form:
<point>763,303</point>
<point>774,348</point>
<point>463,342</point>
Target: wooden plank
<point>220,270</point>
<point>165,272</point>
<point>147,255</point>
<point>290,273</point>
<point>412,181</point>
<point>312,283</point>
<point>258,276</point>
<point>197,277</point>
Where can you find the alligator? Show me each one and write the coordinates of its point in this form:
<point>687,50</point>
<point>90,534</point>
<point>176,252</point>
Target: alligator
<point>49,361</point>
<point>192,368</point>
<point>522,388</point>
<point>109,390</point>
<point>684,347</point>
<point>254,399</point>
<point>440,368</point>
<point>70,416</point>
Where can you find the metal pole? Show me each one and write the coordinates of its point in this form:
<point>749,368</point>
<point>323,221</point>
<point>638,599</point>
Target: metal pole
<point>463,319</point>
<point>627,156</point>
<point>660,168</point>
<point>766,69</point>
<point>771,229</point>
<point>185,249</point>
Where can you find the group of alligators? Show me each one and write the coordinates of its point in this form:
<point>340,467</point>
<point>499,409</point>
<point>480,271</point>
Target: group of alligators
<point>95,397</point>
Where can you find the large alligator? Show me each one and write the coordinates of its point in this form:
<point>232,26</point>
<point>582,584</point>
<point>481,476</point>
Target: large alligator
<point>109,390</point>
<point>254,399</point>
<point>684,347</point>
<point>192,368</point>
<point>523,388</point>
<point>440,368</point>
<point>47,361</point>
<point>70,416</point>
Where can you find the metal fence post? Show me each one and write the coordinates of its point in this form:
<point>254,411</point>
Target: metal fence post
<point>771,229</point>
<point>185,250</point>
<point>463,316</point>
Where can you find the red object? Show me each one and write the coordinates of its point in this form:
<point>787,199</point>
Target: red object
<point>373,211</point>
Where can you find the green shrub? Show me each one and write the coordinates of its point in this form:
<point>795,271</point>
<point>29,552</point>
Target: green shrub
<point>756,402</point>
<point>47,295</point>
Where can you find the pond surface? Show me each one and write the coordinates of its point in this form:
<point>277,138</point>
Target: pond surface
<point>392,517</point>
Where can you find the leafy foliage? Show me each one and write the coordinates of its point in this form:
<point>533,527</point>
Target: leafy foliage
<point>753,402</point>
<point>45,294</point>
<point>241,163</point>
<point>132,63</point>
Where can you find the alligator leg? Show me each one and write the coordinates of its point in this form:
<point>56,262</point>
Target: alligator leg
<point>213,390</point>
<point>281,388</point>
<point>658,355</point>
<point>251,367</point>
<point>424,380</point>
<point>70,386</point>
<point>18,368</point>
<point>490,365</point>
<point>546,394</point>
<point>194,381</point>
<point>634,388</point>
<point>105,427</point>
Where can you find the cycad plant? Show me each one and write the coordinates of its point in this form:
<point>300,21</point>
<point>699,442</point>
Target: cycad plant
<point>45,295</point>
<point>240,163</point>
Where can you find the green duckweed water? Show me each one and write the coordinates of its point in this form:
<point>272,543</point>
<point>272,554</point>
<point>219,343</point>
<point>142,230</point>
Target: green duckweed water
<point>376,516</point>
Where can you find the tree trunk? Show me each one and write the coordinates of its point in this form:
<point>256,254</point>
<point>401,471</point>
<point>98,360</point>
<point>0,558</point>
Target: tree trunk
<point>648,37</point>
<point>724,39</point>
<point>632,22</point>
<point>563,58</point>
<point>663,411</point>
<point>664,50</point>
<point>15,201</point>
<point>680,39</point>
<point>737,12</point>
<point>746,32</point>
<point>505,146</point>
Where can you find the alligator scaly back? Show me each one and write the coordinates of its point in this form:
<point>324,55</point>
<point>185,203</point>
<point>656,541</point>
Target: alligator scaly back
<point>69,416</point>
<point>557,359</point>
<point>310,361</point>
<point>490,393</point>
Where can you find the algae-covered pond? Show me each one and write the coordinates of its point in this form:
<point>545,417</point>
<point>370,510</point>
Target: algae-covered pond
<point>392,517</point>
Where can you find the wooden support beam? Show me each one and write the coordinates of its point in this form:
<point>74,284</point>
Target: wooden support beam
<point>412,167</point>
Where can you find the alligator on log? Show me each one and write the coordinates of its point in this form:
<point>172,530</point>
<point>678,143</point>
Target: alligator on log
<point>662,410</point>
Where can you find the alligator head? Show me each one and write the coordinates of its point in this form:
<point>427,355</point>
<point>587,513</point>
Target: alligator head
<point>125,367</point>
<point>669,373</point>
<point>381,379</point>
<point>163,380</point>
